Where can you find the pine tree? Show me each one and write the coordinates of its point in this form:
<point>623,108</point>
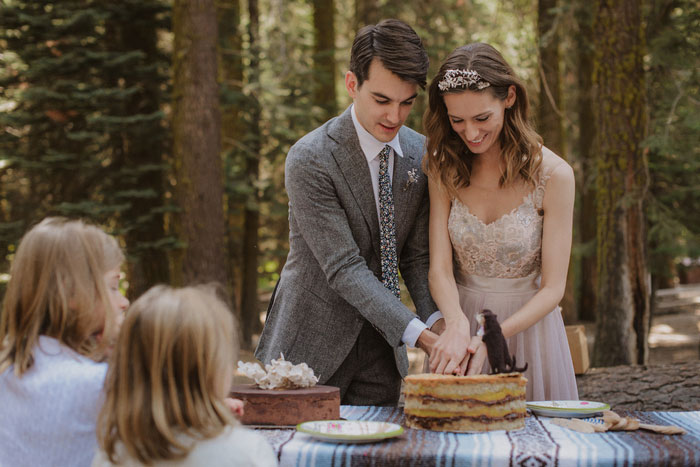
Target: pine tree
<point>550,123</point>
<point>84,130</point>
<point>586,123</point>
<point>140,138</point>
<point>250,316</point>
<point>233,104</point>
<point>324,59</point>
<point>673,88</point>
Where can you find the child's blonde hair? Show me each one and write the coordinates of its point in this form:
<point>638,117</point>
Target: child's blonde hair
<point>167,375</point>
<point>56,288</point>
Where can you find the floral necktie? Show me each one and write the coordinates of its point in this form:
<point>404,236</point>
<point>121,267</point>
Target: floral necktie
<point>387,227</point>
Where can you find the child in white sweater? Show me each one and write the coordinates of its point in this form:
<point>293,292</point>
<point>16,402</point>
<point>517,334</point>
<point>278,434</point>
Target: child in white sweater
<point>59,318</point>
<point>166,389</point>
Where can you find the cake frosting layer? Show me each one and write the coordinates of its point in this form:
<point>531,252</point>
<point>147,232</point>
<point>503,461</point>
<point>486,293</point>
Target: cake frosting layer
<point>465,403</point>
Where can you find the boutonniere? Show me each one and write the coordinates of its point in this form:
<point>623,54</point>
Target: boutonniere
<point>412,178</point>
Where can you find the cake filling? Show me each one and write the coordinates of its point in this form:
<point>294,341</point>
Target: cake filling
<point>465,403</point>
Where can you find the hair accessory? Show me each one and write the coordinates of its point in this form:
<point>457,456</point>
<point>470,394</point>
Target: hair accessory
<point>458,78</point>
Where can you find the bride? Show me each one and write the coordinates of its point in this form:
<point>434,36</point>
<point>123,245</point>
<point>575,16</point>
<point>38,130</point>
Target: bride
<point>501,215</point>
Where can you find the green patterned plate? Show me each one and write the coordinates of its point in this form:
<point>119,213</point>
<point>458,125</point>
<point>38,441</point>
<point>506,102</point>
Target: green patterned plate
<point>567,409</point>
<point>350,431</point>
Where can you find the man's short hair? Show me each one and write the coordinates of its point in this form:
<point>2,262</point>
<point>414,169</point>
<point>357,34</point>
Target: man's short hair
<point>396,45</point>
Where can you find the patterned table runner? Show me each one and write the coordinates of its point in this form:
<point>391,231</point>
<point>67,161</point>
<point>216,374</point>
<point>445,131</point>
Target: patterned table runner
<point>540,443</point>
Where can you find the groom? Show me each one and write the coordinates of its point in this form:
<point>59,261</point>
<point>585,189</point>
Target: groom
<point>358,212</point>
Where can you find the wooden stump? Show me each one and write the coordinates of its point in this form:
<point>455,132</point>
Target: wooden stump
<point>668,387</point>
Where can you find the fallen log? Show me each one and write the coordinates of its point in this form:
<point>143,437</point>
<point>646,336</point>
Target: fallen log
<point>671,387</point>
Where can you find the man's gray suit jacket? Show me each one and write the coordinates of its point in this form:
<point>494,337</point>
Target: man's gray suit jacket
<point>331,282</point>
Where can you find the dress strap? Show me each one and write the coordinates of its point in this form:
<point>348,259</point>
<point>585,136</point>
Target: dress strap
<point>544,175</point>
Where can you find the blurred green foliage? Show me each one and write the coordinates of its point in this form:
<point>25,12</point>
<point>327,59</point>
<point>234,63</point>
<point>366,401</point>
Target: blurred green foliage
<point>75,139</point>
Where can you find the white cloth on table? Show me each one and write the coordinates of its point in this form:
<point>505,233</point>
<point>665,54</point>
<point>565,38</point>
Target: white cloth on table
<point>235,447</point>
<point>48,415</point>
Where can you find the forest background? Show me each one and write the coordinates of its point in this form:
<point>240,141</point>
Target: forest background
<point>168,123</point>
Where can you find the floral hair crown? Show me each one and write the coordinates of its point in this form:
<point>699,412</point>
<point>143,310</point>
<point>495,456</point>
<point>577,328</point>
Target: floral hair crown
<point>458,78</point>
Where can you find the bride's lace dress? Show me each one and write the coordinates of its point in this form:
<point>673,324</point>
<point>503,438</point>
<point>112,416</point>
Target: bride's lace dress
<point>497,267</point>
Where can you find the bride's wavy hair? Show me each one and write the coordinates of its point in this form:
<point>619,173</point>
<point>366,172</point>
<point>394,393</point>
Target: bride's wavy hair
<point>448,160</point>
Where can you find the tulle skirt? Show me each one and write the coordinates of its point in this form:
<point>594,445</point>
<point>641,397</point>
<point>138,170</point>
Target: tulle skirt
<point>550,371</point>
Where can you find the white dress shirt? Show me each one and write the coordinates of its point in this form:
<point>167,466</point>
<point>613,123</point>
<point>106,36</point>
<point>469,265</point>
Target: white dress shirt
<point>371,147</point>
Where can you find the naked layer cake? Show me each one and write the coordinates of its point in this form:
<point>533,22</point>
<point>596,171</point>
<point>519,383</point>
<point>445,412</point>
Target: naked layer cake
<point>465,403</point>
<point>286,407</point>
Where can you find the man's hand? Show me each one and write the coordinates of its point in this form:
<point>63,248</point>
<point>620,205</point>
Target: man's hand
<point>450,350</point>
<point>426,341</point>
<point>438,326</point>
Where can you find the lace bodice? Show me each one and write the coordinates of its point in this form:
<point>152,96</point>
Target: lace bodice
<point>508,247</point>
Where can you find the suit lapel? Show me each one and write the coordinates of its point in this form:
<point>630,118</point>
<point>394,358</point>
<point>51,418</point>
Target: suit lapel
<point>353,164</point>
<point>401,186</point>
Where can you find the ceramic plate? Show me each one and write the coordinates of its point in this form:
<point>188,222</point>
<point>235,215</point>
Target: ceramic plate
<point>567,409</point>
<point>350,431</point>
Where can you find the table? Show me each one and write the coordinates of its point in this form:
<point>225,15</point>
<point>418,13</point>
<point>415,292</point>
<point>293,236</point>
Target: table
<point>540,443</point>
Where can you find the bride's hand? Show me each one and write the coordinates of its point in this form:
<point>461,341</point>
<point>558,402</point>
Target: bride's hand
<point>471,350</point>
<point>450,350</point>
<point>476,364</point>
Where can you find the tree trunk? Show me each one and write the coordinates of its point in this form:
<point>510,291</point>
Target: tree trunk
<point>324,58</point>
<point>196,133</point>
<point>550,106</point>
<point>366,12</point>
<point>659,20</point>
<point>233,129</point>
<point>623,284</point>
<point>586,124</point>
<point>549,112</point>
<point>250,312</point>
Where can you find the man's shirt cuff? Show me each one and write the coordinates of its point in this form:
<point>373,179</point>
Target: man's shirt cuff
<point>413,330</point>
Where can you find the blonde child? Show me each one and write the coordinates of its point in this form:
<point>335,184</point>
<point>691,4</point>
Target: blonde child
<point>167,383</point>
<point>58,319</point>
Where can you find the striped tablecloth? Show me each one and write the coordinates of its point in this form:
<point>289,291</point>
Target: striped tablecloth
<point>540,443</point>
